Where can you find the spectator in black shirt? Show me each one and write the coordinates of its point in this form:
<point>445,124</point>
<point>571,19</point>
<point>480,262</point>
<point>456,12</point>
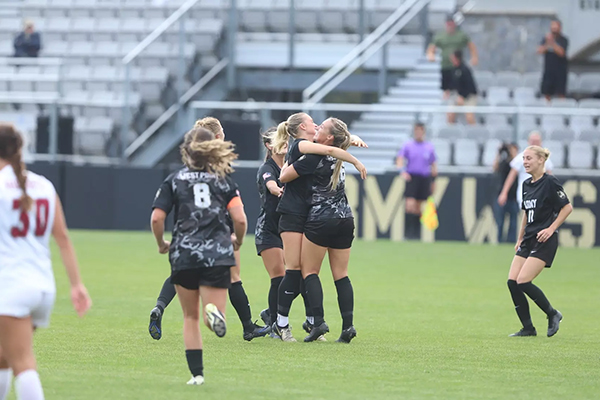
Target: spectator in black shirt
<point>465,87</point>
<point>28,42</point>
<point>507,152</point>
<point>554,47</point>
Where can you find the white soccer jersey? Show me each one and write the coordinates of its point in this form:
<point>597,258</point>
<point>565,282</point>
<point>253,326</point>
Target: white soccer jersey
<point>517,163</point>
<point>25,236</point>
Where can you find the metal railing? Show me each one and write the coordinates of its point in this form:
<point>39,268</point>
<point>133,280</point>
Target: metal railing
<point>143,45</point>
<point>362,52</point>
<point>167,115</point>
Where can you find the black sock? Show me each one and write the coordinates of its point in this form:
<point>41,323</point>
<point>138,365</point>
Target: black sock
<point>239,300</point>
<point>167,294</point>
<point>345,301</point>
<point>417,226</point>
<point>521,304</point>
<point>412,226</point>
<point>408,225</point>
<point>273,293</point>
<point>539,298</point>
<point>289,289</point>
<point>307,308</point>
<point>194,360</point>
<point>314,292</point>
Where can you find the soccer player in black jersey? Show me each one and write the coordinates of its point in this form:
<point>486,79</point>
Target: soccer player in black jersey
<point>266,236</point>
<point>329,228</point>
<point>237,294</point>
<point>546,207</point>
<point>201,252</point>
<point>294,206</point>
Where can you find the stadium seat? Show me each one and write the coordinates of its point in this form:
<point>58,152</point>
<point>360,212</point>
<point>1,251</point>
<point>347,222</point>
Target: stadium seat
<point>509,79</point>
<point>496,121</point>
<point>490,150</point>
<point>443,151</point>
<point>504,134</point>
<point>532,80</point>
<point>552,122</point>
<point>557,152</point>
<point>478,133</point>
<point>581,155</point>
<point>466,152</point>
<point>563,103</point>
<point>564,135</point>
<point>497,95</point>
<point>589,83</point>
<point>484,79</point>
<point>526,122</point>
<point>590,136</point>
<point>589,103</point>
<point>524,95</point>
<point>573,83</point>
<point>451,132</point>
<point>581,122</point>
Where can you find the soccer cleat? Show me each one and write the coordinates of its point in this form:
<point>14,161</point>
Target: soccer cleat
<point>258,331</point>
<point>347,335</point>
<point>265,315</point>
<point>553,323</point>
<point>307,326</point>
<point>316,332</point>
<point>216,320</point>
<point>273,335</point>
<point>285,334</point>
<point>524,332</point>
<point>155,323</point>
<point>196,380</point>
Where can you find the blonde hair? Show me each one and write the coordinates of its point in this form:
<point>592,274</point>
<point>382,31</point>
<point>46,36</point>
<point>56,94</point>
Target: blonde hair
<point>210,123</point>
<point>341,139</point>
<point>11,144</point>
<point>267,138</point>
<point>541,152</point>
<point>286,130</point>
<point>201,151</point>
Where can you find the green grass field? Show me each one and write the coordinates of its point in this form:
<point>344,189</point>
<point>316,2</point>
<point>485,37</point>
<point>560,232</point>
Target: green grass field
<point>432,323</point>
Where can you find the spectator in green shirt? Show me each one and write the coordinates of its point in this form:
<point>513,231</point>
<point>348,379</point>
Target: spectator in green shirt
<point>448,42</point>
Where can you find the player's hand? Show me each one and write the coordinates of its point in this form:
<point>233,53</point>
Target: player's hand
<point>502,199</point>
<point>357,142</point>
<point>406,176</point>
<point>163,248</point>
<point>81,299</point>
<point>361,168</point>
<point>518,244</point>
<point>236,243</point>
<point>545,234</point>
<point>276,191</point>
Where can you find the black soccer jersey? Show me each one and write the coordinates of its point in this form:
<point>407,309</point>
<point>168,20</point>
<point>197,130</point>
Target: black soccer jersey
<point>326,203</point>
<point>201,236</point>
<point>295,199</point>
<point>268,220</point>
<point>542,201</point>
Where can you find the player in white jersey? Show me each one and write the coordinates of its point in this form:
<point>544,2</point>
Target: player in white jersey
<point>30,212</point>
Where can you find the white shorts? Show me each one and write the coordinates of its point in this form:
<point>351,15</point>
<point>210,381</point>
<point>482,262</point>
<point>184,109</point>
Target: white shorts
<point>20,301</point>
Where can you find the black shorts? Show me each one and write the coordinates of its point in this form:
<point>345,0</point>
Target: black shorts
<point>544,251</point>
<point>193,278</point>
<point>291,223</point>
<point>268,240</point>
<point>419,187</point>
<point>331,233</point>
<point>448,79</point>
<point>554,85</point>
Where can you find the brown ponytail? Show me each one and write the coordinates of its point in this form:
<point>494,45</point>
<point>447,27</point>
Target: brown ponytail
<point>11,146</point>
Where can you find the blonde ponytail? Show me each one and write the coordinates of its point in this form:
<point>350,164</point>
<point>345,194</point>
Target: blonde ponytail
<point>341,139</point>
<point>287,130</point>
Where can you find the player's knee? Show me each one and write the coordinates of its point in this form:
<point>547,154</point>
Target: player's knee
<point>512,284</point>
<point>523,285</point>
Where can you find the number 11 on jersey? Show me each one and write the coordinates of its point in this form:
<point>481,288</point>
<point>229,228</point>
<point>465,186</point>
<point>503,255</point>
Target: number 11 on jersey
<point>530,216</point>
<point>202,195</point>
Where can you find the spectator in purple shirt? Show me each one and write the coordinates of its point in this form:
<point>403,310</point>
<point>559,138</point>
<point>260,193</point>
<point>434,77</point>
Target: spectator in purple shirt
<point>417,163</point>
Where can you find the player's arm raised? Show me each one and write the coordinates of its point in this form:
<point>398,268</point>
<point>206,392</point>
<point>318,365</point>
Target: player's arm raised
<point>79,294</point>
<point>307,147</point>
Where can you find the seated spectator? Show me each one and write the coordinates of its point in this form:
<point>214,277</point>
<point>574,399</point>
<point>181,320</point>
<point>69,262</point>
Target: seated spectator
<point>465,87</point>
<point>28,42</point>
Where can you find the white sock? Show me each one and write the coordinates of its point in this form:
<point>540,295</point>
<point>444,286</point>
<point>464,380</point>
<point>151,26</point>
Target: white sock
<point>282,321</point>
<point>28,386</point>
<point>5,381</point>
<point>311,320</point>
